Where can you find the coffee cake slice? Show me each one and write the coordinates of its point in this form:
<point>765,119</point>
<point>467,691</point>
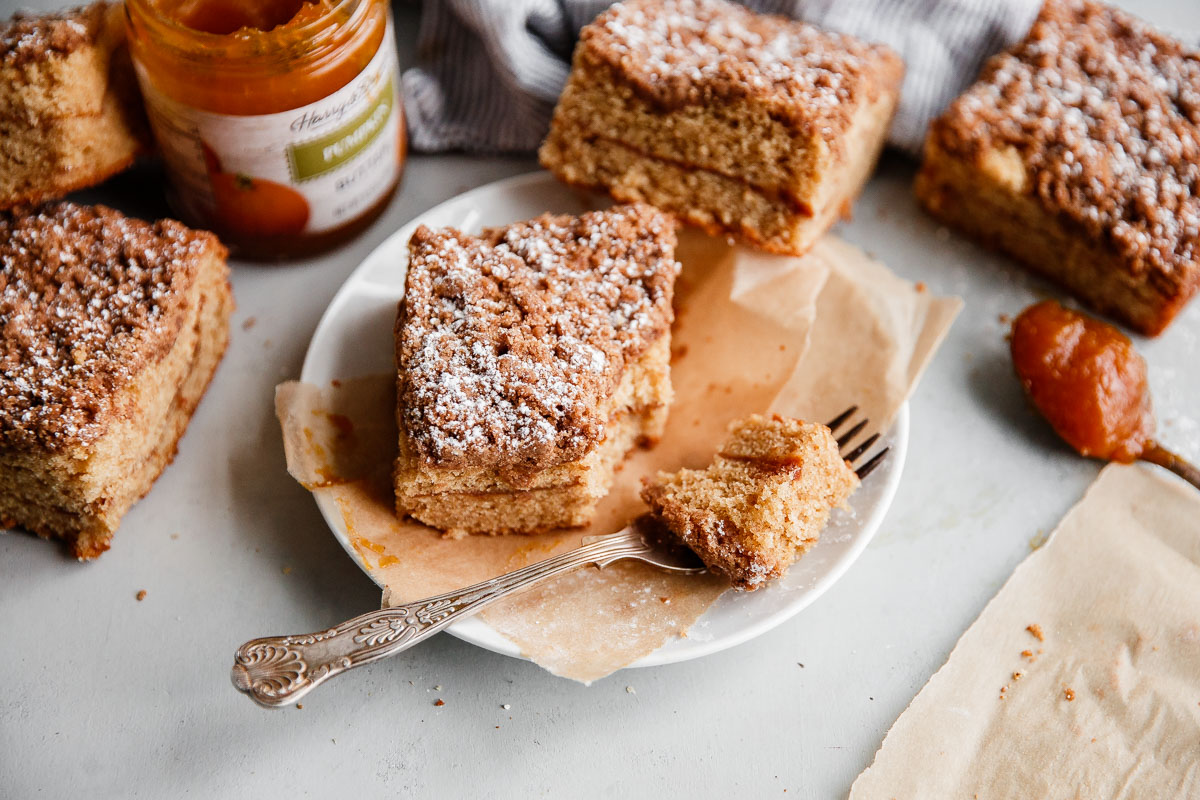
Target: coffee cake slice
<point>1078,153</point>
<point>70,112</point>
<point>762,502</point>
<point>110,329</point>
<point>530,360</point>
<point>736,122</point>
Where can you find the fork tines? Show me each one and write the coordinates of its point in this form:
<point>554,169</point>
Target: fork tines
<point>857,453</point>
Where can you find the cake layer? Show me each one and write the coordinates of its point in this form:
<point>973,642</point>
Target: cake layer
<point>61,154</point>
<point>712,201</point>
<point>570,503</point>
<point>738,138</point>
<point>974,201</point>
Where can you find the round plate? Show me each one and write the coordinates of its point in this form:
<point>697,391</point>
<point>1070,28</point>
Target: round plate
<point>354,338</point>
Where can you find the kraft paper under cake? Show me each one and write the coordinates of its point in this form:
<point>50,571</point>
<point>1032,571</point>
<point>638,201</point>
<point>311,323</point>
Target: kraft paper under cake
<point>1081,678</point>
<point>805,337</point>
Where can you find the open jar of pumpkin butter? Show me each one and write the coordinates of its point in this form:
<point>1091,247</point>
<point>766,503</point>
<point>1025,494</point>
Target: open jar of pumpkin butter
<point>279,121</point>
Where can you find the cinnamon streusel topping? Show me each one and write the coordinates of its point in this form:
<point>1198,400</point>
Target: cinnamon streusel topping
<point>677,52</point>
<point>1105,114</point>
<point>87,298</point>
<point>31,37</point>
<point>508,344</point>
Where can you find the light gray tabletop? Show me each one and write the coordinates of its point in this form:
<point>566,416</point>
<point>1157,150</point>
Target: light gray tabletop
<point>105,696</point>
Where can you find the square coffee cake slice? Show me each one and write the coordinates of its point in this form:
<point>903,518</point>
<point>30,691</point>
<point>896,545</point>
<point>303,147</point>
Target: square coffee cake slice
<point>70,111</point>
<point>110,329</point>
<point>736,122</point>
<point>1078,153</point>
<point>762,502</point>
<point>531,359</point>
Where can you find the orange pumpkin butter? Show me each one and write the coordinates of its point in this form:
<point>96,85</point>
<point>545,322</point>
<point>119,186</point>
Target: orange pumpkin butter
<point>1086,379</point>
<point>279,120</point>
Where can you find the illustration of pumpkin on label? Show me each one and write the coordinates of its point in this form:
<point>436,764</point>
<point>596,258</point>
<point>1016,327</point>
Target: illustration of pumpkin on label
<point>247,205</point>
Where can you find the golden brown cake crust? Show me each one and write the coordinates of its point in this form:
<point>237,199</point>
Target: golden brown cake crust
<point>27,37</point>
<point>87,297</point>
<point>679,52</point>
<point>507,344</point>
<point>1103,113</point>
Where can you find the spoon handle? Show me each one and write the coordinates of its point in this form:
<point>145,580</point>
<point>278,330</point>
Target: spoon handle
<point>1157,454</point>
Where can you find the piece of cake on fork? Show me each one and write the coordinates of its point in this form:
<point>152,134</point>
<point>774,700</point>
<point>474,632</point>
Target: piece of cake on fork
<point>761,503</point>
<point>1078,153</point>
<point>741,123</point>
<point>530,360</point>
<point>110,330</point>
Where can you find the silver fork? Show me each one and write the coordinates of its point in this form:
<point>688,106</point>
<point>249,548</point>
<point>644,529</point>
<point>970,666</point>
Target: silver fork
<point>277,671</point>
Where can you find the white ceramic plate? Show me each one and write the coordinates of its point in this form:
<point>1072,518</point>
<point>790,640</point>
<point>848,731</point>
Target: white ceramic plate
<point>354,338</point>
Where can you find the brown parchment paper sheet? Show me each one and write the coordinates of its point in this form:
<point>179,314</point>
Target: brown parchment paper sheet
<point>741,344</point>
<point>1108,704</point>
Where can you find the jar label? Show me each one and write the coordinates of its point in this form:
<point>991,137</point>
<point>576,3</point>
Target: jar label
<point>303,171</point>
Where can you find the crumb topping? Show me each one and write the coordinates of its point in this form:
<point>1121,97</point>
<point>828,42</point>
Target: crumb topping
<point>508,343</point>
<point>678,52</point>
<point>87,298</point>
<point>30,37</point>
<point>1105,113</point>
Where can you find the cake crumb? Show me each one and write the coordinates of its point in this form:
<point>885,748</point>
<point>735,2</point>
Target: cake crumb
<point>1027,654</point>
<point>141,595</point>
<point>437,688</point>
<point>1017,676</point>
<point>249,323</point>
<point>299,706</point>
<point>439,702</point>
<point>920,287</point>
<point>1069,693</point>
<point>630,690</point>
<point>1036,630</point>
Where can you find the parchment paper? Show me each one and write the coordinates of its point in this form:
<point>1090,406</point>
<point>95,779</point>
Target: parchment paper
<point>1107,704</point>
<point>741,344</point>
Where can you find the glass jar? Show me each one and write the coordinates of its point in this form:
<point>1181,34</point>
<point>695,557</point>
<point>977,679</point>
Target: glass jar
<point>279,122</point>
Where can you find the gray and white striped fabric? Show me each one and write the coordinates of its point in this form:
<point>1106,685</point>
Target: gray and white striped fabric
<point>489,71</point>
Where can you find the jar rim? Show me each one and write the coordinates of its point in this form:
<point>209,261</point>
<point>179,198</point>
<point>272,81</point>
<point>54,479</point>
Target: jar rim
<point>316,34</point>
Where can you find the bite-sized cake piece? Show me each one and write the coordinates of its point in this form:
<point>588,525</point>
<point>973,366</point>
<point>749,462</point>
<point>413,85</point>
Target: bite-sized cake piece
<point>110,329</point>
<point>531,359</point>
<point>1078,153</point>
<point>70,112</point>
<point>762,502</point>
<point>737,122</point>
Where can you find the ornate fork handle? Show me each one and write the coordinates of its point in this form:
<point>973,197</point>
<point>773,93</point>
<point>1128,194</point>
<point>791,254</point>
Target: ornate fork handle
<point>279,670</point>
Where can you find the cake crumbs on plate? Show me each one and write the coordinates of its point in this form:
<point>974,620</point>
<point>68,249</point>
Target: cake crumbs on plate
<point>439,702</point>
<point>141,595</point>
<point>1068,693</point>
<point>630,690</point>
<point>1036,631</point>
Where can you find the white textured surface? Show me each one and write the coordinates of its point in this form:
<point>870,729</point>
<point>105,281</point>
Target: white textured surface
<point>108,697</point>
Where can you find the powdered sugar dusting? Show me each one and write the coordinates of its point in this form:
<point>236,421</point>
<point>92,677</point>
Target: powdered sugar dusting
<point>1104,111</point>
<point>87,298</point>
<point>28,37</point>
<point>508,343</point>
<point>694,50</point>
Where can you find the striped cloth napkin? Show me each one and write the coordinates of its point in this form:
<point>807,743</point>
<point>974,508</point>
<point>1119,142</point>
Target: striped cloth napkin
<point>489,71</point>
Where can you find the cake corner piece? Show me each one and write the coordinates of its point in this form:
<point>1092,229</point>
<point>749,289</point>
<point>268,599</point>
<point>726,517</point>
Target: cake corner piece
<point>761,503</point>
<point>110,331</point>
<point>1071,155</point>
<point>530,360</point>
<point>736,122</point>
<point>69,102</point>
